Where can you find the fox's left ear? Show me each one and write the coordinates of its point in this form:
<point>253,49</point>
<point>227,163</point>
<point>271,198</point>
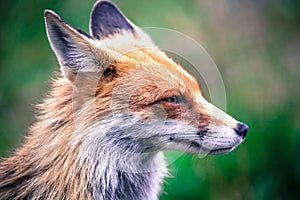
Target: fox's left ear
<point>106,19</point>
<point>75,50</point>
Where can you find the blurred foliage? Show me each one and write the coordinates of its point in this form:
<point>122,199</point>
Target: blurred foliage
<point>255,44</point>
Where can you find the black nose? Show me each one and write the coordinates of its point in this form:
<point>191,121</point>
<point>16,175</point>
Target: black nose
<point>242,130</point>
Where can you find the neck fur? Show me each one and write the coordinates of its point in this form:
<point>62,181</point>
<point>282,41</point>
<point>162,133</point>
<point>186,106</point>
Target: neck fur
<point>120,166</point>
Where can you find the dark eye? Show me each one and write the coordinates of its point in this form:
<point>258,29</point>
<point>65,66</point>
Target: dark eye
<point>173,99</point>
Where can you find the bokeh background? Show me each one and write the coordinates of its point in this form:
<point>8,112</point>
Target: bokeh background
<point>256,46</point>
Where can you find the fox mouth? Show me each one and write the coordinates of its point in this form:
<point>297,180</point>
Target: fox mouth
<point>212,151</point>
<point>195,147</point>
<point>221,150</point>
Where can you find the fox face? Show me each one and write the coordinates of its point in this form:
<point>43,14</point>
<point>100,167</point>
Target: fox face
<point>171,109</point>
<point>129,93</point>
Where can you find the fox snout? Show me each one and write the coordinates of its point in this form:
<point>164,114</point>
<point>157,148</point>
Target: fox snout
<point>222,133</point>
<point>201,127</point>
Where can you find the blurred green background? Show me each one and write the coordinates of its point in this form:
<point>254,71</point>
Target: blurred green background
<point>256,46</point>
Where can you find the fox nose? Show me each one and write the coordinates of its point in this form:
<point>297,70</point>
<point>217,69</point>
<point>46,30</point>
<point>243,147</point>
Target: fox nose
<point>242,130</point>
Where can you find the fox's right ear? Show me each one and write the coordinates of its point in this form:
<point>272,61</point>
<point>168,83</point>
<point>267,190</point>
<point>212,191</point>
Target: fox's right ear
<point>106,19</point>
<point>74,48</point>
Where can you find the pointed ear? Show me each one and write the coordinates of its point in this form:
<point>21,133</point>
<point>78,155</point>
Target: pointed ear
<point>106,19</point>
<point>74,48</point>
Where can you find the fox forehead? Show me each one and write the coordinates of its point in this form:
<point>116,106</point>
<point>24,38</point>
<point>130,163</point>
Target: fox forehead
<point>147,63</point>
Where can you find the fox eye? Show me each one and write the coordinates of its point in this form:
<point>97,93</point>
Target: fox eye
<point>173,99</point>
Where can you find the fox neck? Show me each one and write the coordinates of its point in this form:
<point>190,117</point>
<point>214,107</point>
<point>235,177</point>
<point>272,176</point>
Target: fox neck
<point>109,182</point>
<point>120,167</point>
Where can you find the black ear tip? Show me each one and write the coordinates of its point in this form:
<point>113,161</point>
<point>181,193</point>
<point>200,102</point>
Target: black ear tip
<point>107,19</point>
<point>104,3</point>
<point>103,6</point>
<point>51,15</point>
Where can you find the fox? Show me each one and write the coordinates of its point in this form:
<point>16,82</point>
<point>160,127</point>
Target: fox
<point>117,104</point>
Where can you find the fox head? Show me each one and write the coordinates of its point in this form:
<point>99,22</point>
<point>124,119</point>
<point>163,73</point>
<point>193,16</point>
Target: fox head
<point>129,93</point>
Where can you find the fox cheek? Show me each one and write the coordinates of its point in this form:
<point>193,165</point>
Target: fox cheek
<point>173,111</point>
<point>204,120</point>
